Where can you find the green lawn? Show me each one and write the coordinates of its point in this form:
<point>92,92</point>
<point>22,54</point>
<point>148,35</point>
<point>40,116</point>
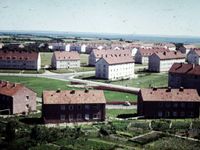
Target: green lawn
<point>71,70</point>
<point>38,84</point>
<point>115,112</point>
<point>84,59</point>
<point>119,96</point>
<point>145,80</point>
<point>46,58</point>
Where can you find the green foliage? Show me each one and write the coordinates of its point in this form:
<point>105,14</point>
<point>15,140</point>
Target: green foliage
<point>172,143</point>
<point>160,125</point>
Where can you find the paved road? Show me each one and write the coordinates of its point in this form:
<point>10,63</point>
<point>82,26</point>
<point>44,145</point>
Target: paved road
<point>70,77</point>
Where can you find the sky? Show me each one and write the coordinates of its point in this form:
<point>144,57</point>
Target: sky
<point>154,17</point>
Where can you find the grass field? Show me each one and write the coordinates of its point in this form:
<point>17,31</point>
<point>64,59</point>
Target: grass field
<point>84,59</point>
<point>46,58</point>
<point>146,80</point>
<point>115,112</point>
<point>119,96</point>
<point>40,84</point>
<point>37,84</point>
<point>71,70</point>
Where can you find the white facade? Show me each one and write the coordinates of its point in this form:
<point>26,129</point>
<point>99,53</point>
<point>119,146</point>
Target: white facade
<point>64,64</point>
<point>161,65</point>
<point>83,48</point>
<point>114,71</point>
<point>193,57</point>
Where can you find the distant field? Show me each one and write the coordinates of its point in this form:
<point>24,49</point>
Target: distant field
<point>119,96</point>
<point>38,84</point>
<point>70,70</point>
<point>46,58</point>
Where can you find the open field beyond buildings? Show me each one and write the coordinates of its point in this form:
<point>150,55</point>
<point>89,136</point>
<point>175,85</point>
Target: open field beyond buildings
<point>71,70</point>
<point>46,58</point>
<point>40,84</point>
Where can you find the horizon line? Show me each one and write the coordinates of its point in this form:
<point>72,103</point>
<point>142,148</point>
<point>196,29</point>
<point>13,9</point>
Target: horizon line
<point>104,33</point>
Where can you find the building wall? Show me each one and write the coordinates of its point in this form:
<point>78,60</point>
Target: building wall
<point>193,58</point>
<point>138,57</point>
<point>19,64</point>
<point>157,65</point>
<point>154,63</point>
<point>92,59</point>
<point>186,81</point>
<point>63,64</point>
<point>6,104</point>
<point>114,72</point>
<point>163,109</point>
<point>24,101</point>
<point>57,113</point>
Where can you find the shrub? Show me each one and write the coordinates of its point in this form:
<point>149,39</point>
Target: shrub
<point>160,125</point>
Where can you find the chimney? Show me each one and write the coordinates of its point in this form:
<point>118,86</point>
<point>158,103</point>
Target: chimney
<point>164,53</point>
<point>193,66</point>
<point>58,90</point>
<point>154,89</point>
<point>14,85</point>
<point>181,89</point>
<point>168,89</point>
<point>86,91</point>
<point>72,92</point>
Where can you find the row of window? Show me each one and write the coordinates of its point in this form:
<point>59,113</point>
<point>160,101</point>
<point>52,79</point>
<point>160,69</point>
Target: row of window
<point>175,105</point>
<point>175,114</point>
<point>79,117</point>
<point>78,107</point>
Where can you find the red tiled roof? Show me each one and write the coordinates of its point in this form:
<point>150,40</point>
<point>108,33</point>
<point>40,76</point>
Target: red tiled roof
<point>64,55</point>
<point>150,51</point>
<point>118,59</point>
<point>180,68</point>
<point>74,97</point>
<point>106,53</point>
<point>18,55</point>
<point>170,55</point>
<point>9,89</point>
<point>186,95</point>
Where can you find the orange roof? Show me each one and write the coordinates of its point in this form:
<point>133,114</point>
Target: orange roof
<point>9,89</point>
<point>150,51</point>
<point>74,97</point>
<point>185,95</point>
<point>118,59</point>
<point>106,53</point>
<point>18,55</point>
<point>170,55</point>
<point>188,69</point>
<point>64,55</point>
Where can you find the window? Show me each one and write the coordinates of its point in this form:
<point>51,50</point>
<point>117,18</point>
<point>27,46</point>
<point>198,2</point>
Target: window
<point>160,114</point>
<point>71,107</point>
<point>167,105</point>
<point>71,117</point>
<point>62,107</point>
<point>79,107</point>
<point>79,116</point>
<point>182,114</point>
<point>183,105</point>
<point>87,116</point>
<point>175,105</point>
<point>87,107</point>
<point>62,117</point>
<point>190,105</point>
<point>174,114</point>
<point>96,116</point>
<point>167,114</point>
